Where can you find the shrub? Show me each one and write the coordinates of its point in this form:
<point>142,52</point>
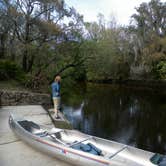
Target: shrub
<point>10,70</point>
<point>161,69</point>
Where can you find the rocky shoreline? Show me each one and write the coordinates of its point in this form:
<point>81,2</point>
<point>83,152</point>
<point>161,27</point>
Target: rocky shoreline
<point>21,97</point>
<point>12,97</point>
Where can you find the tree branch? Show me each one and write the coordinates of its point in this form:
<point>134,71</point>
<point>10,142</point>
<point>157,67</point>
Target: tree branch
<point>40,14</point>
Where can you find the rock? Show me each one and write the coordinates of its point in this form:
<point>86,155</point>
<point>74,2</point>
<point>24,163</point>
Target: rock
<point>21,98</point>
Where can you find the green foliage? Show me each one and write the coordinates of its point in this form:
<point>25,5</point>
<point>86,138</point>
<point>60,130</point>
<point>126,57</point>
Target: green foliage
<point>79,73</point>
<point>161,70</point>
<point>37,37</point>
<point>72,92</point>
<point>109,56</point>
<point>147,37</point>
<point>120,53</point>
<point>10,70</point>
<point>47,38</point>
<point>35,82</point>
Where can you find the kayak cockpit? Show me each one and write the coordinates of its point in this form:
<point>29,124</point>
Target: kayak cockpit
<point>83,143</point>
<point>62,137</point>
<point>29,125</point>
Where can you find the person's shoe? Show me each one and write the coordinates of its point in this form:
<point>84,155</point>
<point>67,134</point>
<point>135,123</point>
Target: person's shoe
<point>56,116</point>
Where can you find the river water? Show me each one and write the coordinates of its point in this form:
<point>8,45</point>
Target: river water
<point>132,116</point>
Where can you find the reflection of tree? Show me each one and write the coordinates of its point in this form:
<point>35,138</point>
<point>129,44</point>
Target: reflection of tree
<point>117,112</point>
<point>150,126</point>
<point>73,94</point>
<point>108,107</point>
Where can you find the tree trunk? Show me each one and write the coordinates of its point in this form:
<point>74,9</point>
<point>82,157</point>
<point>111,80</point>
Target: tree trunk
<point>24,60</point>
<point>2,45</point>
<point>30,63</point>
<point>12,46</point>
<point>25,55</point>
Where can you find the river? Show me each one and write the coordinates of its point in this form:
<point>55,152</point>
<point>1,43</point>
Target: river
<point>133,116</point>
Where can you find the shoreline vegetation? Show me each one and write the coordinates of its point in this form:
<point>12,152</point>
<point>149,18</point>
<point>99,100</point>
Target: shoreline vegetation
<point>40,39</point>
<point>15,94</point>
<point>153,85</point>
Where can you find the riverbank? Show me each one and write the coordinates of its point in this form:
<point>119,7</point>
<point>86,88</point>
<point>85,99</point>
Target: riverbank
<point>147,84</point>
<point>22,97</point>
<point>11,93</point>
<point>155,85</point>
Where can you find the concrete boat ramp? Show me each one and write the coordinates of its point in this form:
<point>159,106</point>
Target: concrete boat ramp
<point>17,153</point>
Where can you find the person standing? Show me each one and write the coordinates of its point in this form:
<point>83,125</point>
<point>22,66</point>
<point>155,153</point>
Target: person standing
<point>56,95</point>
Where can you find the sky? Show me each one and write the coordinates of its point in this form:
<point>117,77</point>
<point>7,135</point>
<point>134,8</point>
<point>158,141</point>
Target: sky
<point>121,9</point>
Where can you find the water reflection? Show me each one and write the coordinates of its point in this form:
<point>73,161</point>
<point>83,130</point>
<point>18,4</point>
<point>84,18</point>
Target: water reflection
<point>74,115</point>
<point>134,117</point>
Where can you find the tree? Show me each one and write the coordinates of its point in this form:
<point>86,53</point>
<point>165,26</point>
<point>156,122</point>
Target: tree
<point>107,46</point>
<point>29,16</point>
<point>43,35</point>
<point>5,26</point>
<point>148,27</point>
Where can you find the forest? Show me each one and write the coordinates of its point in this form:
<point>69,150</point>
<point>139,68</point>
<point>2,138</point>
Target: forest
<point>42,38</point>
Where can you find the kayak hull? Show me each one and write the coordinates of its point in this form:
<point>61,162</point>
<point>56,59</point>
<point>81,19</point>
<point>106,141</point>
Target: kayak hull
<point>60,145</point>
